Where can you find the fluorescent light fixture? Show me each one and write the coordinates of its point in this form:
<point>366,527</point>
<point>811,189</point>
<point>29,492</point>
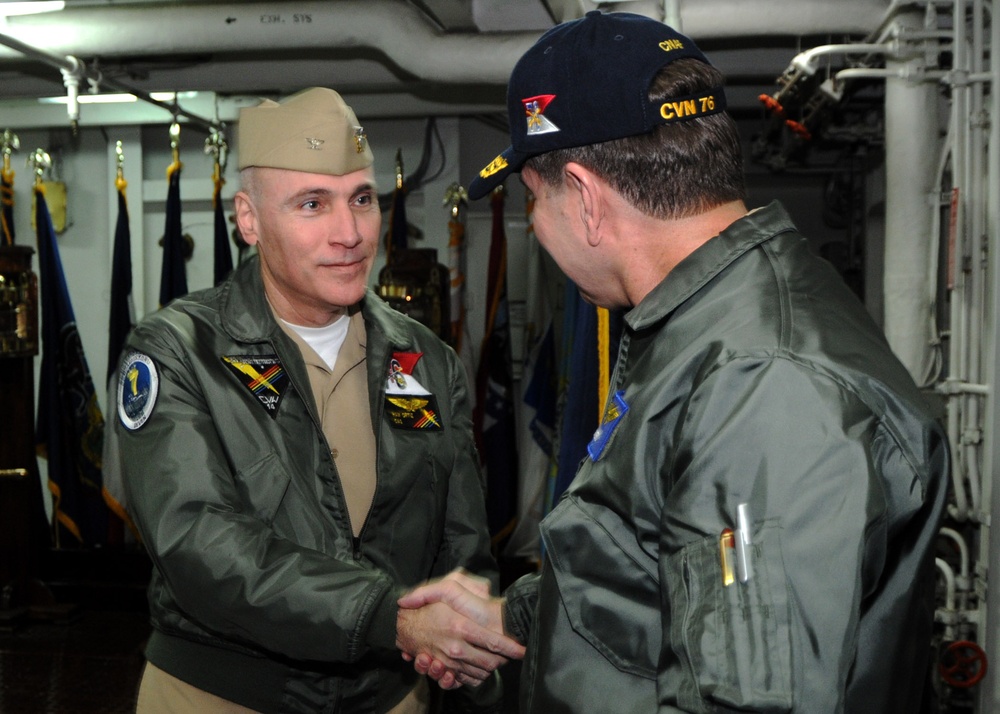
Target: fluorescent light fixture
<point>117,98</point>
<point>8,9</point>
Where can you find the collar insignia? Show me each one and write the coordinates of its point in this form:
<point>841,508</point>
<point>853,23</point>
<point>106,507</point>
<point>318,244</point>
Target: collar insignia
<point>534,108</point>
<point>314,144</point>
<point>263,376</point>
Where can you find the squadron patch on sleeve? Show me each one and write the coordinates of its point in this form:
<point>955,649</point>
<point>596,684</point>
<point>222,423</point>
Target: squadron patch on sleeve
<point>408,405</point>
<point>263,375</point>
<point>138,385</point>
<point>613,415</point>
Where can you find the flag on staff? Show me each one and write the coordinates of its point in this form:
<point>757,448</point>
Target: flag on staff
<point>396,238</point>
<point>493,417</point>
<point>458,336</point>
<point>122,316</point>
<point>454,197</point>
<point>578,411</point>
<point>588,346</point>
<point>173,276</point>
<point>121,320</point>
<point>7,201</point>
<point>70,428</point>
<point>223,256</point>
<point>537,406</point>
<point>9,143</point>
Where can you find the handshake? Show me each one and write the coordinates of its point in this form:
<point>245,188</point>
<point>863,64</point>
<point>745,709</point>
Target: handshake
<point>452,630</point>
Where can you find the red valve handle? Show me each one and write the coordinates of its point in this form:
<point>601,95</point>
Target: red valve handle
<point>963,664</point>
<point>798,129</point>
<point>772,104</point>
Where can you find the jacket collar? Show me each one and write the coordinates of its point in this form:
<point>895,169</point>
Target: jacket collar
<point>246,315</point>
<point>710,259</point>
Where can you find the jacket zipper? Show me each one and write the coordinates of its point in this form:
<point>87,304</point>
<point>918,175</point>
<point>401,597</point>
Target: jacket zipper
<point>355,542</point>
<point>377,426</point>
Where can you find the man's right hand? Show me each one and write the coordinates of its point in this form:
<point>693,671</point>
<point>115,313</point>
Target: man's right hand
<point>454,630</point>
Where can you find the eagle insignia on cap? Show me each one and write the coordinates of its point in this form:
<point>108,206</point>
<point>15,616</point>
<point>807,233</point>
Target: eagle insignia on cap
<point>360,140</point>
<point>314,144</point>
<point>534,107</point>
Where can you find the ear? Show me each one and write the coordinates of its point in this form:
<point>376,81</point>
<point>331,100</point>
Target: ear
<point>246,218</point>
<point>590,193</point>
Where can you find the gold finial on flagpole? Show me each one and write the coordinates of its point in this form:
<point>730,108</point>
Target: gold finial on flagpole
<point>39,161</point>
<point>454,196</point>
<point>399,169</point>
<point>9,143</point>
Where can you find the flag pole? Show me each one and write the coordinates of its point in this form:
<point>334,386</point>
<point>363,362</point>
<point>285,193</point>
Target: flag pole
<point>217,146</point>
<point>454,196</point>
<point>9,143</point>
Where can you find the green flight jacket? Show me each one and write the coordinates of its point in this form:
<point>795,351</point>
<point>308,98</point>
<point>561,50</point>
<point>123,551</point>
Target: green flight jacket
<point>259,592</point>
<point>750,375</point>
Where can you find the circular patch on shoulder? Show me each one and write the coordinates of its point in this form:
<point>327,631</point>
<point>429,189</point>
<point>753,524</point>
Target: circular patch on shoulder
<point>138,384</point>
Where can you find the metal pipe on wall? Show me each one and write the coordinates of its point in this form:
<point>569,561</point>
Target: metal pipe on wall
<point>972,428</point>
<point>988,695</point>
<point>911,111</point>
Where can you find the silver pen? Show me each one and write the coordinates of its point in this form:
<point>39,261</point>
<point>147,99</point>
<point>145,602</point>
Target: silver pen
<point>744,565</point>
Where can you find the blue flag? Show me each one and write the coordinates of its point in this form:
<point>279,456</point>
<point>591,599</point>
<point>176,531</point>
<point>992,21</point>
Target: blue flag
<point>122,314</point>
<point>70,428</point>
<point>121,320</point>
<point>579,386</point>
<point>493,417</point>
<point>223,256</point>
<point>173,276</point>
<point>396,240</point>
<point>579,413</point>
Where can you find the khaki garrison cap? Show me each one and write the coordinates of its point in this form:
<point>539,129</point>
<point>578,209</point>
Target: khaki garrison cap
<point>312,131</point>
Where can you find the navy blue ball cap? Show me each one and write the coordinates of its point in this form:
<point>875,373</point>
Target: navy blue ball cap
<point>587,81</point>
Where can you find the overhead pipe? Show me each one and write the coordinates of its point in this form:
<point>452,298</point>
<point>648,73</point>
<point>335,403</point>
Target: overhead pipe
<point>74,70</point>
<point>394,28</point>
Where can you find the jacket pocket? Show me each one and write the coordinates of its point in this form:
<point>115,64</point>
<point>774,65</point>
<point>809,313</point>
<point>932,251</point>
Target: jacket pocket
<point>608,589</point>
<point>262,485</point>
<point>733,642</point>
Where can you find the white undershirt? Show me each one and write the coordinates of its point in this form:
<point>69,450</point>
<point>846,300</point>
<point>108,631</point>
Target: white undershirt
<point>325,341</point>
